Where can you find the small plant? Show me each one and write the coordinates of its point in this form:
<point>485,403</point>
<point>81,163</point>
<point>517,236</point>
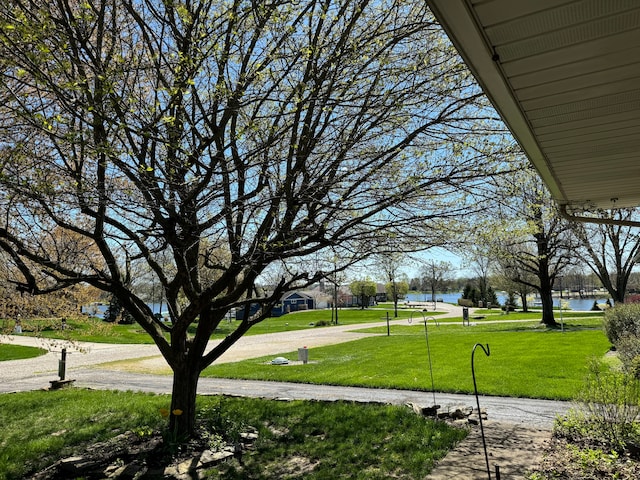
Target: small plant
<point>608,411</point>
<point>171,438</point>
<point>215,441</point>
<point>219,426</point>
<point>592,458</point>
<point>143,431</point>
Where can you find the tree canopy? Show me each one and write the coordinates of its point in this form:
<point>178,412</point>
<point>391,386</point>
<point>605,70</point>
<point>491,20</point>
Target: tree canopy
<point>610,250</point>
<point>532,244</point>
<point>215,142</point>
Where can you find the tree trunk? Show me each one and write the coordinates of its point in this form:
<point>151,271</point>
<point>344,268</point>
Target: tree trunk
<point>395,299</point>
<point>548,318</point>
<point>523,300</point>
<point>183,401</point>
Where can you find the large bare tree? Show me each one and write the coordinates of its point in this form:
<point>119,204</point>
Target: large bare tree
<point>219,140</point>
<point>531,242</point>
<point>611,250</point>
<point>435,274</point>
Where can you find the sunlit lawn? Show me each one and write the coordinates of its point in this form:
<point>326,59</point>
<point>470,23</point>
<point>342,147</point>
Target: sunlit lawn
<point>96,330</point>
<point>525,360</point>
<point>18,352</point>
<point>87,329</point>
<point>343,439</point>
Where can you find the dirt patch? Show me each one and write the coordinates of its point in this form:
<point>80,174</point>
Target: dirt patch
<point>132,455</point>
<point>293,467</point>
<point>563,459</point>
<point>155,365</point>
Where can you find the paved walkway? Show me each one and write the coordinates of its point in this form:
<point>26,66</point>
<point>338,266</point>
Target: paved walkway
<point>515,431</point>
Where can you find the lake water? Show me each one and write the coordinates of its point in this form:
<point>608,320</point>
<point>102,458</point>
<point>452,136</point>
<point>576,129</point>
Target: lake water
<point>98,309</point>
<point>578,304</point>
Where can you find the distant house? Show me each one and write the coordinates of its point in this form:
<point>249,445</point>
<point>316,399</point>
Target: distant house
<point>295,301</point>
<point>346,298</point>
<point>290,302</point>
<point>381,293</point>
<point>321,299</point>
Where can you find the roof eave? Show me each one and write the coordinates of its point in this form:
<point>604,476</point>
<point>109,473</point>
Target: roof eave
<point>458,21</point>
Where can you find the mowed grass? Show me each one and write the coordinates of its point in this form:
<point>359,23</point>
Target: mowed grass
<point>41,427</point>
<point>90,329</point>
<point>338,440</point>
<point>18,352</point>
<point>525,360</point>
<point>85,329</point>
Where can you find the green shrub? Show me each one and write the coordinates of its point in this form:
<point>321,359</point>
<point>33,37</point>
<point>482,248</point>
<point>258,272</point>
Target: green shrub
<point>608,410</point>
<point>628,348</point>
<point>621,321</point>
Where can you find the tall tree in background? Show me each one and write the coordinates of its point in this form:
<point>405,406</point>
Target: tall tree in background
<point>532,243</point>
<point>481,263</point>
<point>515,280</point>
<point>434,275</point>
<point>611,250</point>
<point>391,264</point>
<point>166,133</point>
<point>365,290</point>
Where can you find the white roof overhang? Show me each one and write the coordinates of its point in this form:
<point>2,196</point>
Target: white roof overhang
<point>565,77</point>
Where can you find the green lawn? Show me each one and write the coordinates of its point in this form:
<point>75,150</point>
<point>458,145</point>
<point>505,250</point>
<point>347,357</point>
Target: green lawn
<point>96,330</point>
<point>18,352</point>
<point>342,439</point>
<point>525,360</point>
<point>85,329</point>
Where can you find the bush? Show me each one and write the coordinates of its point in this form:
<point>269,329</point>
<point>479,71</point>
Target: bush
<point>622,321</point>
<point>628,348</point>
<point>608,411</point>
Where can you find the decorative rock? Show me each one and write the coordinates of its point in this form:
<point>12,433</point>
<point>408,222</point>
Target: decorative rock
<point>425,411</point>
<point>126,458</point>
<point>460,413</point>
<point>76,465</point>
<point>453,413</point>
<point>210,458</point>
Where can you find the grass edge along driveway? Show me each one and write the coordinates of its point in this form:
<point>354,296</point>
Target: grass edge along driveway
<point>525,360</point>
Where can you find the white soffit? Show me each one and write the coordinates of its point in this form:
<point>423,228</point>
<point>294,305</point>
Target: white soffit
<point>565,77</point>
